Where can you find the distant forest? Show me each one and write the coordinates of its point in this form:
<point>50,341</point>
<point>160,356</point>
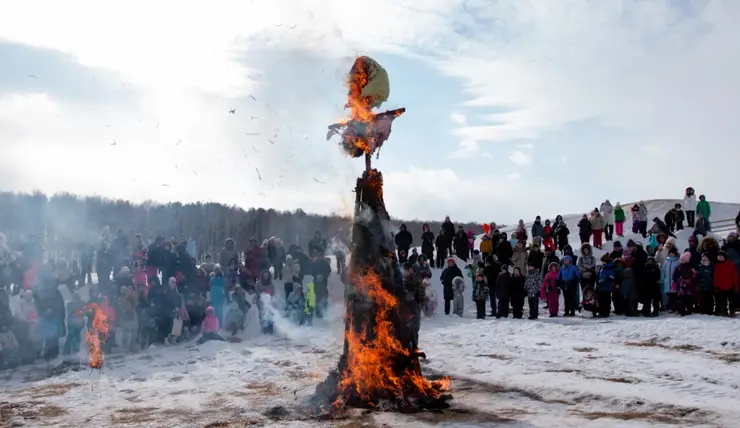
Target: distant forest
<point>63,222</point>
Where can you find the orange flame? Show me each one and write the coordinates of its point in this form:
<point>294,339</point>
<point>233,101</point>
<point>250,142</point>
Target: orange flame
<point>97,334</point>
<point>369,370</point>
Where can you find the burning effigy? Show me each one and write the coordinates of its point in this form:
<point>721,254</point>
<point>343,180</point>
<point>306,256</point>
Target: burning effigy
<point>380,365</point>
<point>97,334</point>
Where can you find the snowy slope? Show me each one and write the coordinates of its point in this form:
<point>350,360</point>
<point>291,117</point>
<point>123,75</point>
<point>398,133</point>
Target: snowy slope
<point>546,373</point>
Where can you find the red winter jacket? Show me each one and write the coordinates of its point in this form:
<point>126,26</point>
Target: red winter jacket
<point>725,276</point>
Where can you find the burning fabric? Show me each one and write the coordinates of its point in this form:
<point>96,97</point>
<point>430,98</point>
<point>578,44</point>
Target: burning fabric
<point>365,132</point>
<point>97,334</point>
<point>380,365</point>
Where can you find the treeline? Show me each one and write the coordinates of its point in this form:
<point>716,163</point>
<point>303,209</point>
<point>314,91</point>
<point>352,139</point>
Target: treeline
<point>65,221</point>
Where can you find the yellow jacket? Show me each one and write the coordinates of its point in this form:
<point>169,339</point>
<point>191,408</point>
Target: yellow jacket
<point>486,246</point>
<point>378,87</point>
<point>310,304</point>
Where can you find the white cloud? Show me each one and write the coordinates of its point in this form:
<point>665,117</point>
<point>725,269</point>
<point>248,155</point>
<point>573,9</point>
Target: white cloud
<point>459,118</point>
<point>468,149</point>
<point>521,158</point>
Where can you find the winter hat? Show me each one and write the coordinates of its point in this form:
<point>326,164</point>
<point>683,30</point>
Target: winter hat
<point>125,270</point>
<point>732,235</point>
<point>450,259</point>
<point>605,258</point>
<point>692,239</point>
<point>617,244</point>
<point>685,257</point>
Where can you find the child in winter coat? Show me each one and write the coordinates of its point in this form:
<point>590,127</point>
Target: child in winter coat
<point>705,280</point>
<point>532,285</point>
<point>309,306</point>
<point>480,295</point>
<point>217,294</point>
<point>209,327</point>
<point>684,284</point>
<point>619,218</point>
<point>504,284</point>
<point>605,283</point>
<point>548,241</point>
<point>666,277</point>
<point>296,305</point>
<point>567,279</point>
<point>550,290</point>
<point>458,284</point>
<point>517,293</point>
<point>726,284</point>
<point>652,296</point>
<point>430,304</point>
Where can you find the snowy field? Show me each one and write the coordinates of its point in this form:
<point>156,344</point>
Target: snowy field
<point>562,372</point>
<point>547,373</point>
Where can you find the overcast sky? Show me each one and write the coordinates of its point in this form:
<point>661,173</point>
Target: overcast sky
<point>515,108</point>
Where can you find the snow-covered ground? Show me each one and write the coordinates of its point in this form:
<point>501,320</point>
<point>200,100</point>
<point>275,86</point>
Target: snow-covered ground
<point>619,372</point>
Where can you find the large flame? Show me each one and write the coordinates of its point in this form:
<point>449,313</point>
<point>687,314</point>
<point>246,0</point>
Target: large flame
<point>97,334</point>
<point>369,372</point>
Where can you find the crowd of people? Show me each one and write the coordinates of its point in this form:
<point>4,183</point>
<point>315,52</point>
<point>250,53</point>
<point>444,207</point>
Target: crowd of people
<point>158,293</point>
<point>154,294</point>
<point>632,280</point>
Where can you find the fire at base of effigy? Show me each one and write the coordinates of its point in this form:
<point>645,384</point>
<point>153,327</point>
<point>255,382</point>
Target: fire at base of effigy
<point>380,366</point>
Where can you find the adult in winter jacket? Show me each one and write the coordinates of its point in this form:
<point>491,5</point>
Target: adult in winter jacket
<point>726,285</point>
<point>519,259</point>
<point>217,294</point>
<point>538,230</point>
<point>548,240</point>
<point>732,248</point>
<point>448,274</point>
<point>486,246</point>
<point>597,227</point>
<point>316,244</point>
<point>607,212</point>
<point>403,239</point>
<point>642,212</point>
<point>448,231</point>
<point>550,257</point>
<point>561,234</point>
<point>427,242</point>
<point>619,219</point>
<point>535,257</point>
<point>504,251</point>
<point>584,229</point>
<point>689,205</point>
<point>442,246</point>
<point>461,244</point>
<point>704,209</point>
<point>227,253</point>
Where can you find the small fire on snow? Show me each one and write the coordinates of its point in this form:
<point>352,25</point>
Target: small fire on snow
<point>97,333</point>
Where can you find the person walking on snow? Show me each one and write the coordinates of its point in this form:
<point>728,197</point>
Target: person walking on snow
<point>597,227</point>
<point>689,205</point>
<point>704,209</point>
<point>607,211</point>
<point>619,218</point>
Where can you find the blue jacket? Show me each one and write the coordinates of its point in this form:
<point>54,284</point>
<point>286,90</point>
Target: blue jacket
<point>568,275</point>
<point>605,280</point>
<point>666,273</point>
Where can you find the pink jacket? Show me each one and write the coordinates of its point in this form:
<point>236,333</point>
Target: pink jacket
<point>210,322</point>
<point>471,239</point>
<point>549,284</point>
